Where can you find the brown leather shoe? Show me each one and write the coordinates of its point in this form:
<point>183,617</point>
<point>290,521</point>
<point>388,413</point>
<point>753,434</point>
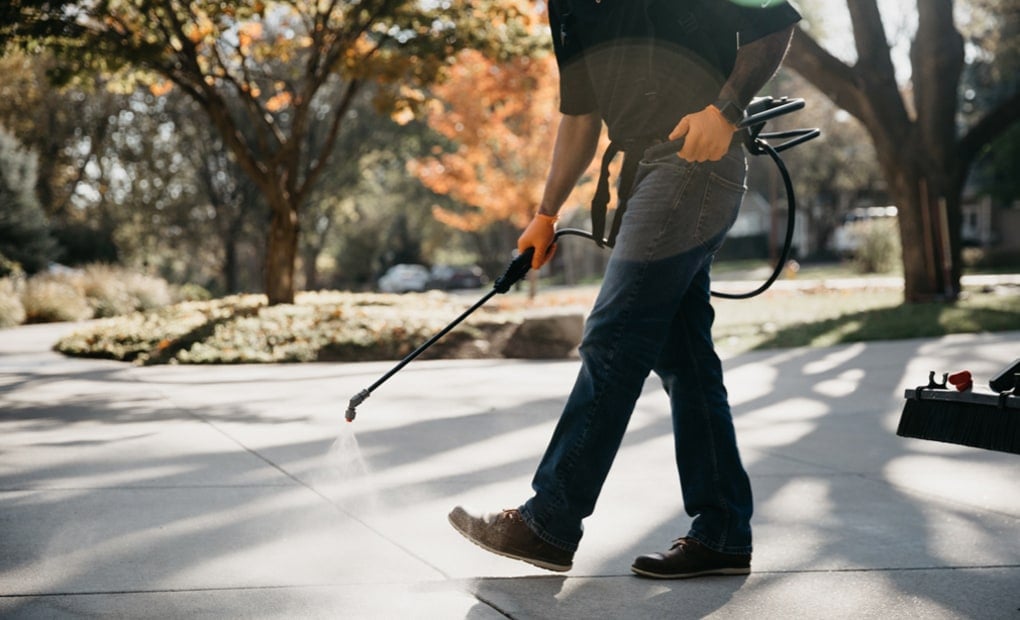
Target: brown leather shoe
<point>505,533</point>
<point>689,558</point>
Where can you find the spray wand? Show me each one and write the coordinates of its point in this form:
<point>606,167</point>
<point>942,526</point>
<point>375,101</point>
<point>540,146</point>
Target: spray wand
<point>517,269</point>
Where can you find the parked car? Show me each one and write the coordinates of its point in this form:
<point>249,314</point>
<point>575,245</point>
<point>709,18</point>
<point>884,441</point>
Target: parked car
<point>449,278</point>
<point>404,278</point>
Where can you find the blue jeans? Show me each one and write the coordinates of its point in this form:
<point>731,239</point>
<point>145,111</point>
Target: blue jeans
<point>653,313</point>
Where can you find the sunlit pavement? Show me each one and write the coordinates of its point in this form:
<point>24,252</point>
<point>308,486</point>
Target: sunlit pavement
<point>221,492</point>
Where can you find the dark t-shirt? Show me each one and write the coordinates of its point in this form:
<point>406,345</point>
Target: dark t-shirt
<point>644,64</point>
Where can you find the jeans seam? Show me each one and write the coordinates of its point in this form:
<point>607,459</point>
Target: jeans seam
<point>616,339</point>
<point>713,452</point>
<point>677,199</point>
<point>711,182</point>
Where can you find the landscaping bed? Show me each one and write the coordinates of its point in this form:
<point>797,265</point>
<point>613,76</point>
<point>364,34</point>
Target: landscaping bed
<point>317,327</point>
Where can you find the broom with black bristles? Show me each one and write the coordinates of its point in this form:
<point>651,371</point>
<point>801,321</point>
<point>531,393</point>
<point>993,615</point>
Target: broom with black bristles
<point>962,416</point>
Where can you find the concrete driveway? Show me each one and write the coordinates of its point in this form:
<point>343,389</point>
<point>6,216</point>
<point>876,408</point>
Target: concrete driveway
<point>239,491</point>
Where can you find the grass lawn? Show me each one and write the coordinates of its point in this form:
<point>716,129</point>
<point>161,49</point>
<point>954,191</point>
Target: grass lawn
<point>821,316</point>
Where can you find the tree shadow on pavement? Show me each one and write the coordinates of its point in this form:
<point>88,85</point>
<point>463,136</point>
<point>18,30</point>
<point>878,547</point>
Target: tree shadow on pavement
<point>819,438</point>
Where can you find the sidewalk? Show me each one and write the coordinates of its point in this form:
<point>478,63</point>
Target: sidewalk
<point>218,492</point>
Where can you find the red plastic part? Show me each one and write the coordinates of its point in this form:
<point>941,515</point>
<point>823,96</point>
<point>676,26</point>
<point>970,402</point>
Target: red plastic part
<point>962,380</point>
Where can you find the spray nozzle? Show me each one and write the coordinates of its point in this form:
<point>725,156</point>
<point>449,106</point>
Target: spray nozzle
<point>355,401</point>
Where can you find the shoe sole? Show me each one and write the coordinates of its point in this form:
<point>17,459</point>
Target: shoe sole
<point>559,568</point>
<point>703,573</point>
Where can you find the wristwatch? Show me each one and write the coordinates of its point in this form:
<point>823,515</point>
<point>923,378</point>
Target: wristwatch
<point>731,111</point>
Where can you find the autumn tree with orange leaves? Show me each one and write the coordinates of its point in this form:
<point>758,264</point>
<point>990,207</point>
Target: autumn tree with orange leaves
<point>502,119</point>
<point>275,77</point>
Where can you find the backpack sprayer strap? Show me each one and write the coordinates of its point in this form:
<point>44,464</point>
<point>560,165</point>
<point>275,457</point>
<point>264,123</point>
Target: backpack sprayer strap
<point>600,201</point>
<point>632,151</point>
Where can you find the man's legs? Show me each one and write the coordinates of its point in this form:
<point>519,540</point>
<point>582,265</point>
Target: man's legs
<point>676,219</point>
<point>622,340</point>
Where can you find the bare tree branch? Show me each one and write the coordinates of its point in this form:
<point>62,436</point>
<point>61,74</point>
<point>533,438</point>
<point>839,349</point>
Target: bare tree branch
<point>317,165</point>
<point>985,131</point>
<point>828,73</point>
<point>869,36</point>
<point>211,101</point>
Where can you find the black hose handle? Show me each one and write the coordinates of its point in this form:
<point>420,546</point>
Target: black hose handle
<point>517,269</point>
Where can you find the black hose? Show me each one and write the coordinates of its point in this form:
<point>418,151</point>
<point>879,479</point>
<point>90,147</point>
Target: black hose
<point>791,216</point>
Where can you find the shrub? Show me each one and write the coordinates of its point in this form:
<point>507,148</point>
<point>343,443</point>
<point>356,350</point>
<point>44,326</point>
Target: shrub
<point>157,336</point>
<point>241,329</point>
<point>106,291</point>
<point>24,230</point>
<point>191,292</point>
<point>148,292</point>
<point>12,312</point>
<point>998,261</point>
<point>113,291</point>
<point>10,268</point>
<point>879,250</point>
<point>49,299</point>
<point>100,291</point>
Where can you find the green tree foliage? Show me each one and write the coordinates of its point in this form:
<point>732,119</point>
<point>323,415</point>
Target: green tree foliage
<point>24,231</point>
<point>68,128</point>
<point>146,181</point>
<point>992,28</point>
<point>258,70</point>
<point>368,213</point>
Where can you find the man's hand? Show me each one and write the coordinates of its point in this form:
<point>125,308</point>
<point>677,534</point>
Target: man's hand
<point>539,235</point>
<point>707,135</point>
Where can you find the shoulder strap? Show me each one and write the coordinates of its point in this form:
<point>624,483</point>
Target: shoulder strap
<point>600,202</point>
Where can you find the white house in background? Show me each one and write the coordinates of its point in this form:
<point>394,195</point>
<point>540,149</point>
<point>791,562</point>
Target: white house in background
<point>756,219</point>
<point>753,218</point>
<point>977,228</point>
<point>991,227</point>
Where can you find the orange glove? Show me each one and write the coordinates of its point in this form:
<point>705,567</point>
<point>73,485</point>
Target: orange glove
<point>708,135</point>
<point>539,235</point>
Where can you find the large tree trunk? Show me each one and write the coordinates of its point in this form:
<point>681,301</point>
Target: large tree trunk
<point>230,266</point>
<point>281,252</point>
<point>929,256</point>
<point>916,146</point>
